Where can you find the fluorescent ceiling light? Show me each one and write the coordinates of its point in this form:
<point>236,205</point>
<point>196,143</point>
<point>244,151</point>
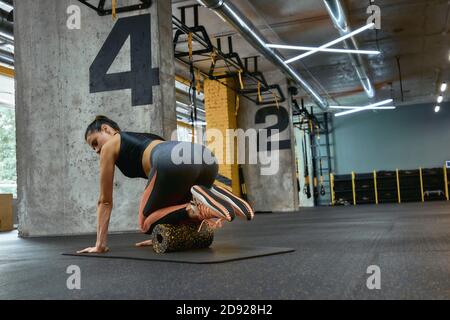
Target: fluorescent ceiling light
<point>220,16</point>
<point>329,44</point>
<point>443,86</point>
<point>183,104</point>
<point>201,123</point>
<point>437,108</point>
<point>373,108</point>
<point>440,99</point>
<point>303,48</point>
<point>369,107</point>
<point>5,6</point>
<point>6,36</point>
<point>6,104</point>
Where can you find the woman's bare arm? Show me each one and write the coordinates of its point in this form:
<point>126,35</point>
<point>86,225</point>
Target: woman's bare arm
<point>105,201</point>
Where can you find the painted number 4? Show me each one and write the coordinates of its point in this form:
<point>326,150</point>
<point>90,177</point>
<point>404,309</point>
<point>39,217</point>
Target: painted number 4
<point>142,76</point>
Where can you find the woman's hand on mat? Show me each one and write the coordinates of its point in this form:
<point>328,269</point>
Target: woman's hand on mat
<point>144,243</point>
<point>94,250</point>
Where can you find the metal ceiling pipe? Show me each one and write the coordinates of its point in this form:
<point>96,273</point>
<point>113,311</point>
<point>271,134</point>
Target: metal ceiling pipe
<point>6,52</point>
<point>6,39</point>
<point>233,16</point>
<point>7,58</point>
<point>6,27</point>
<point>8,2</point>
<point>339,19</point>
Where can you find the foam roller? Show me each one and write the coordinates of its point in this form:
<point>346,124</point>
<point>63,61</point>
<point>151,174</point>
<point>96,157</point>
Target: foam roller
<point>169,238</point>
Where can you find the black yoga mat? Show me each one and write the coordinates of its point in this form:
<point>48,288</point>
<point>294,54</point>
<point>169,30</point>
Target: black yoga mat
<point>217,253</point>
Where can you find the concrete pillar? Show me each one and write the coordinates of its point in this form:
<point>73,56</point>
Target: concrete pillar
<point>220,108</point>
<point>57,97</point>
<point>278,191</point>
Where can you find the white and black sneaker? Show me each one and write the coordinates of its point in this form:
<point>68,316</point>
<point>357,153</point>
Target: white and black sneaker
<point>211,205</point>
<point>241,207</point>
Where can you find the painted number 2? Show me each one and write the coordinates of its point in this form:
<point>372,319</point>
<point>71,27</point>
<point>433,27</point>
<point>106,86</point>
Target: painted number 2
<point>142,76</point>
<point>281,125</point>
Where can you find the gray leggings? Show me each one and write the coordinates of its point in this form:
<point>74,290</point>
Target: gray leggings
<point>178,166</point>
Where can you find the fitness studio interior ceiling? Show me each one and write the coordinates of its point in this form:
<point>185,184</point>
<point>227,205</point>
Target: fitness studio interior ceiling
<point>413,40</point>
<point>358,208</point>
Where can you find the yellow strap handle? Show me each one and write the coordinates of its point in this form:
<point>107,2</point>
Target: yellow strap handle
<point>213,57</point>
<point>307,180</point>
<point>259,92</point>
<point>332,188</point>
<point>237,105</point>
<point>241,83</point>
<point>113,7</point>
<point>276,99</point>
<point>198,85</point>
<point>190,45</point>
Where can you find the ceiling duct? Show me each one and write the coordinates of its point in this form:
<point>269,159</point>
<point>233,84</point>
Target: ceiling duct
<point>339,19</point>
<point>242,24</point>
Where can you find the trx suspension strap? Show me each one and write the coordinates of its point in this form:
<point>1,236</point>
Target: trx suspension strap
<point>198,85</point>
<point>297,172</point>
<point>259,92</point>
<point>322,188</point>
<point>192,88</point>
<point>241,85</point>
<point>306,189</point>
<point>313,151</point>
<point>242,181</point>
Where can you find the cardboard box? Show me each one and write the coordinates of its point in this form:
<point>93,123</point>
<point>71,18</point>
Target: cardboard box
<point>6,212</point>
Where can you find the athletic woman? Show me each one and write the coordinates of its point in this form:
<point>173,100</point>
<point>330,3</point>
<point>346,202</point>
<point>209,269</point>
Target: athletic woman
<point>176,192</point>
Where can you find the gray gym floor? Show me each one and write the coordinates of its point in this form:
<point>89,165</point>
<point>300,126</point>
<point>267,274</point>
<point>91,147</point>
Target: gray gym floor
<point>334,246</point>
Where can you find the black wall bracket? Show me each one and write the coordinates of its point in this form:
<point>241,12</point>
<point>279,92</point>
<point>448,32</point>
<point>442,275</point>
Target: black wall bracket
<point>101,11</point>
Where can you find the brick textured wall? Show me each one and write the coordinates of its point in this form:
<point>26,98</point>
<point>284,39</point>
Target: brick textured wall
<point>220,107</point>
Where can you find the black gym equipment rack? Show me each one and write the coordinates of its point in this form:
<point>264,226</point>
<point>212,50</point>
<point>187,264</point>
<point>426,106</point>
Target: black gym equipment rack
<point>312,125</point>
<point>101,11</point>
<point>222,65</point>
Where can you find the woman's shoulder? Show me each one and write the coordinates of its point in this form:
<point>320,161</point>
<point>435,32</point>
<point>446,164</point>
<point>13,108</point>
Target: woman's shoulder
<point>113,144</point>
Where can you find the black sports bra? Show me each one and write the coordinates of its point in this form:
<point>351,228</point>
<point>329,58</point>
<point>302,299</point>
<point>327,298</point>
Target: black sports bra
<point>132,147</point>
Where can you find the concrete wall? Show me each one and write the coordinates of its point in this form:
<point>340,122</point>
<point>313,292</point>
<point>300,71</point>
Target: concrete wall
<point>220,115</point>
<point>406,138</point>
<point>277,192</point>
<point>58,173</point>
